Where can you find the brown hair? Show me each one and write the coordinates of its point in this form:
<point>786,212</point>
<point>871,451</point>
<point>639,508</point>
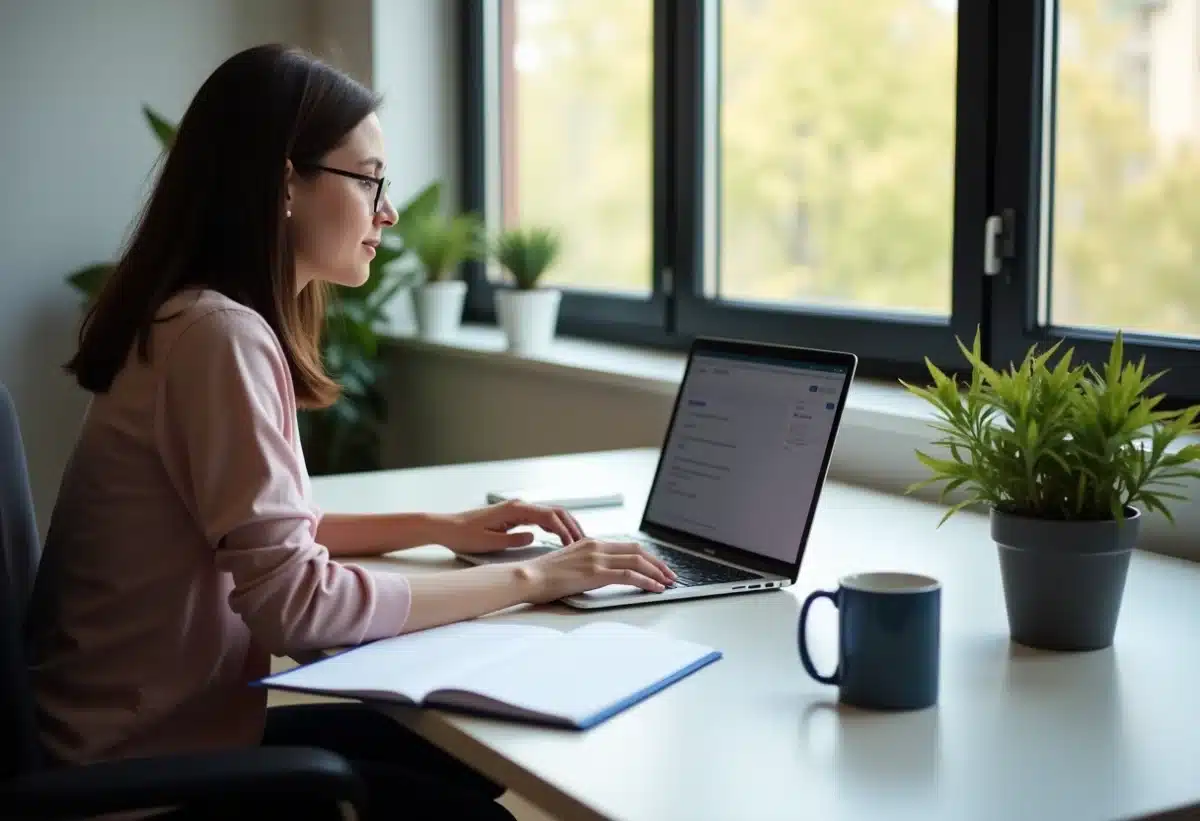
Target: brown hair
<point>216,217</point>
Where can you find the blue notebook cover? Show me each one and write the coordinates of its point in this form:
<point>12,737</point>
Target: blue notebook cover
<point>576,679</point>
<point>634,698</point>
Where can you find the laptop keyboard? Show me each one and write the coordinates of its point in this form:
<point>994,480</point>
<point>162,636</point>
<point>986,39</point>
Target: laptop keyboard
<point>691,570</point>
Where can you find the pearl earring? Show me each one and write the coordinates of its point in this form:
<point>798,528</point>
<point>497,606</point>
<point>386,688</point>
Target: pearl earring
<point>289,213</point>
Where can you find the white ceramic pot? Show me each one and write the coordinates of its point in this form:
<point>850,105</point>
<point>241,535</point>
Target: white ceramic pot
<point>439,308</point>
<point>399,313</point>
<point>529,318</point>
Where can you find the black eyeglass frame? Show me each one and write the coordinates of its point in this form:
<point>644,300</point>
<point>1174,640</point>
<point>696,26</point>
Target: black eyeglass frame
<point>380,182</point>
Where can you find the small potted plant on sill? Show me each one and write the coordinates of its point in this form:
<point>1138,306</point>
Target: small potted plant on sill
<point>440,244</point>
<point>527,313</point>
<point>1063,456</point>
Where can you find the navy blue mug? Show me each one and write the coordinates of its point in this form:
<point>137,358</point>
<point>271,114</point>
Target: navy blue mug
<point>889,627</point>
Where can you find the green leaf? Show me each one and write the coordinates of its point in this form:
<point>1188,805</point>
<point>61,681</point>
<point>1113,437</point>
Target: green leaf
<point>163,130</point>
<point>950,487</point>
<point>1151,501</point>
<point>423,206</point>
<point>89,280</point>
<point>955,509</point>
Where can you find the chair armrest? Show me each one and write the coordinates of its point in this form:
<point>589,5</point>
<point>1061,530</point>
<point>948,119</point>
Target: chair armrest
<point>224,778</point>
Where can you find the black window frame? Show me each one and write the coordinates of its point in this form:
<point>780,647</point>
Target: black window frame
<point>1024,47</point>
<point>998,120</point>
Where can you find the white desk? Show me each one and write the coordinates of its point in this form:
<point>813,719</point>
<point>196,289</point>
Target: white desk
<point>1017,734</point>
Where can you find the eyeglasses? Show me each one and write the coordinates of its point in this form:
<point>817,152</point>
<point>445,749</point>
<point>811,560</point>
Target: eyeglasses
<point>380,183</point>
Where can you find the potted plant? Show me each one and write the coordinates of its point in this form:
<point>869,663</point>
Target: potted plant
<point>1065,457</point>
<point>440,244</point>
<point>528,314</point>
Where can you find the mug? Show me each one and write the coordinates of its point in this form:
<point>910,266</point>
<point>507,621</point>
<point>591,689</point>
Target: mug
<point>889,627</point>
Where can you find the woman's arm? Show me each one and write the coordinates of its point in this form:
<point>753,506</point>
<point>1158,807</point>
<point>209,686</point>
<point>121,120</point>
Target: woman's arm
<point>222,419</point>
<point>475,531</point>
<point>348,534</point>
<point>457,595</point>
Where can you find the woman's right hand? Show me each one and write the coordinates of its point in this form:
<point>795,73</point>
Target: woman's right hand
<point>589,563</point>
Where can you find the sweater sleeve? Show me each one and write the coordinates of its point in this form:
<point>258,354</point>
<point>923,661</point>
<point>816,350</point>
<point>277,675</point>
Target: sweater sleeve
<point>228,435</point>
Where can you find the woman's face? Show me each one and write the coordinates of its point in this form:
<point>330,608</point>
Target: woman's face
<point>333,219</point>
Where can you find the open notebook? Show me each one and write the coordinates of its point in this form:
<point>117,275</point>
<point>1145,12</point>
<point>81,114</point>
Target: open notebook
<point>574,679</point>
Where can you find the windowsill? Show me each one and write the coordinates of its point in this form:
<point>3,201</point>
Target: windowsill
<point>884,405</point>
<point>882,424</point>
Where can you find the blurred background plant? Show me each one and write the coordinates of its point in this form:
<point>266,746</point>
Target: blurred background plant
<point>527,254</point>
<point>344,437</point>
<point>441,243</point>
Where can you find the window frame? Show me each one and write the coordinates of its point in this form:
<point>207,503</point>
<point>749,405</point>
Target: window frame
<point>1022,36</point>
<point>998,121</point>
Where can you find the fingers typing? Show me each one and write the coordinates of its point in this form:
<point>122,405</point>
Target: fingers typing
<point>571,523</point>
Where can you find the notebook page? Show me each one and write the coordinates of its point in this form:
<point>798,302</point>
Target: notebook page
<point>416,663</point>
<point>586,672</point>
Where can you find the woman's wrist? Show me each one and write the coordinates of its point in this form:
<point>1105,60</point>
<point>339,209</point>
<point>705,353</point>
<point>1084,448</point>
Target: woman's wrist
<point>425,528</point>
<point>529,581</point>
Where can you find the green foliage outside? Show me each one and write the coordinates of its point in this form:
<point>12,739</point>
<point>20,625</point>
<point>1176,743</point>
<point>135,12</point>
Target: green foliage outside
<point>836,158</point>
<point>344,437</point>
<point>1057,440</point>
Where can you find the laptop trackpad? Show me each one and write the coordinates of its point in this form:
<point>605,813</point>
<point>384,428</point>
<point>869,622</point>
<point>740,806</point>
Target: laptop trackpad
<point>610,591</point>
<point>511,554</point>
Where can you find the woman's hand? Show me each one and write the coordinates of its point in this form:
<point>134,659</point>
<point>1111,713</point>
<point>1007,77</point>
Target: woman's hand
<point>588,564</point>
<point>486,529</point>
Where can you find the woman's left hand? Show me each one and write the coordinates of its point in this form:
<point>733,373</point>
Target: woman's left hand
<point>486,529</point>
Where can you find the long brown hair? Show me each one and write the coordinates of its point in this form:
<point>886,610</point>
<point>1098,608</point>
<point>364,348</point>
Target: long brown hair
<point>216,216</point>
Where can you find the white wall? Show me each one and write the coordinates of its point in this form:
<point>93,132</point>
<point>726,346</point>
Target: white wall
<point>416,67</point>
<point>74,157</point>
<point>342,35</point>
<point>444,409</point>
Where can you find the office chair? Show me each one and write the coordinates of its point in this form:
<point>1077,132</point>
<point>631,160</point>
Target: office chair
<point>216,785</point>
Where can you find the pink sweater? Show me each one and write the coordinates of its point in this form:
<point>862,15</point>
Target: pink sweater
<point>182,550</point>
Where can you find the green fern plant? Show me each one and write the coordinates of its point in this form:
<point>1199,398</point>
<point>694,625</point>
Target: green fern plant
<point>1057,441</point>
<point>527,254</point>
<point>441,243</point>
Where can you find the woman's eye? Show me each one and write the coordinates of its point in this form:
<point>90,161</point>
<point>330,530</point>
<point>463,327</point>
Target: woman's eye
<point>367,184</point>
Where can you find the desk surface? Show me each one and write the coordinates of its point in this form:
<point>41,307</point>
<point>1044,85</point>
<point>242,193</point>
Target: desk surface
<point>1017,733</point>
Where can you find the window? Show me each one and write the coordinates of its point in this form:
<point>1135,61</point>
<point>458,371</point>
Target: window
<point>1125,171</point>
<point>559,130</point>
<point>824,173</point>
<point>836,147</point>
<point>575,139</point>
<point>1112,219</point>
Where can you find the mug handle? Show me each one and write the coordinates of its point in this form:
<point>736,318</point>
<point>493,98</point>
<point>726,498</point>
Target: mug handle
<point>805,658</point>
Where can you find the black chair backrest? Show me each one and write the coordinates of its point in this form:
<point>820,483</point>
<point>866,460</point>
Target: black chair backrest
<point>20,550</point>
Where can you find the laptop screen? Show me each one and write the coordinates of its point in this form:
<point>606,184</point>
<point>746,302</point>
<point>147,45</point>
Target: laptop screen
<point>744,455</point>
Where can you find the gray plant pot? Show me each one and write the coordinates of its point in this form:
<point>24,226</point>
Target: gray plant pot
<point>1063,581</point>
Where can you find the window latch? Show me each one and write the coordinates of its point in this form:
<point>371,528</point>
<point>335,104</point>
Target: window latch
<point>999,241</point>
<point>667,280</point>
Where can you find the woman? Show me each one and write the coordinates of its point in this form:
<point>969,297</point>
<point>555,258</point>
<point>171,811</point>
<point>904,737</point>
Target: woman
<point>185,547</point>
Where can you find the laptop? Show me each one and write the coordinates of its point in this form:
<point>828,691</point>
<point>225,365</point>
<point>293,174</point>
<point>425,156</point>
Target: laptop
<point>739,475</point>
